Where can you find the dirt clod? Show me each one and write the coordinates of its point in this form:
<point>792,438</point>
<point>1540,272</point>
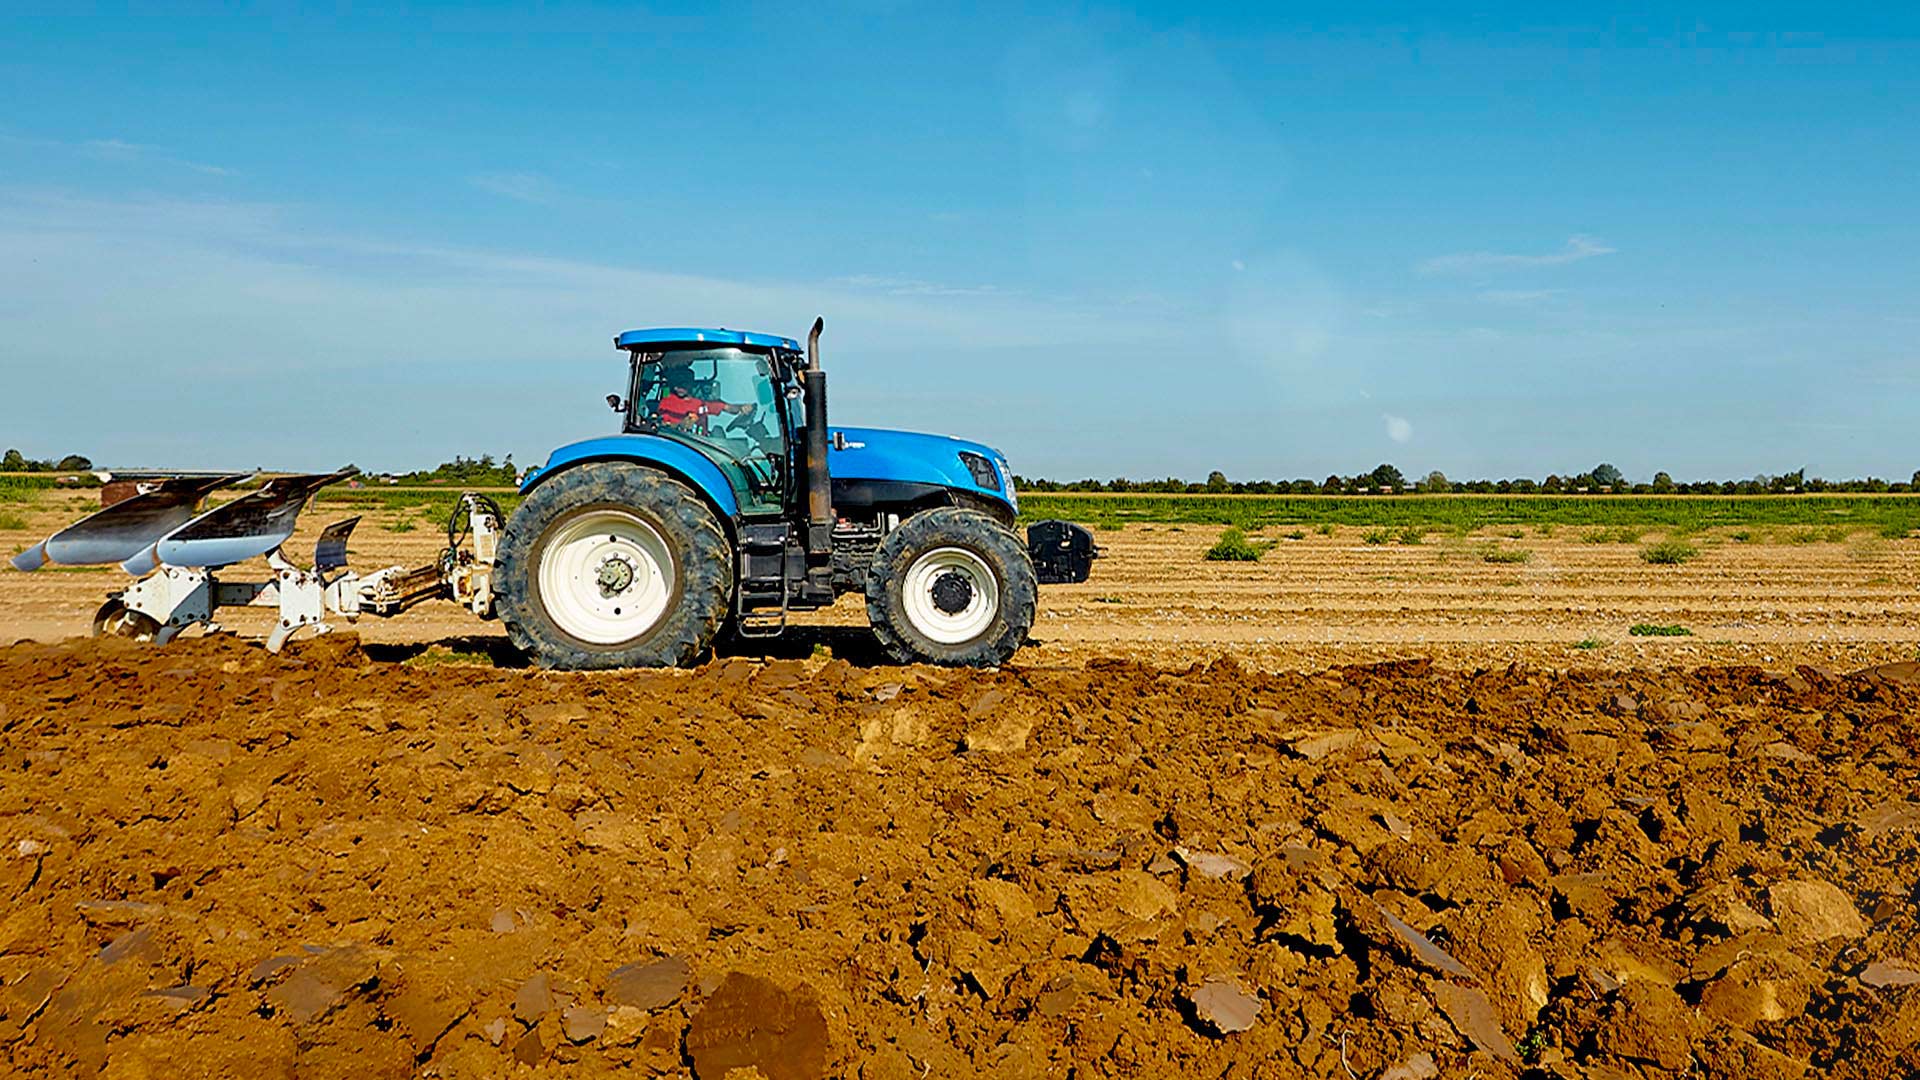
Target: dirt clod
<point>583,1023</point>
<point>1224,1007</point>
<point>751,1023</point>
<point>1210,864</point>
<point>1813,911</point>
<point>1882,974</point>
<point>648,986</point>
<point>1420,1066</point>
<point>1472,1015</point>
<point>1417,947</point>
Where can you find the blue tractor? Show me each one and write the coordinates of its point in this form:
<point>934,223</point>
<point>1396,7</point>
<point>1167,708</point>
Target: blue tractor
<point>727,501</point>
<point>724,503</point>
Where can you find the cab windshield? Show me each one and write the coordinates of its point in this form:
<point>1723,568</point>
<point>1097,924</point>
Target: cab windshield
<point>720,401</point>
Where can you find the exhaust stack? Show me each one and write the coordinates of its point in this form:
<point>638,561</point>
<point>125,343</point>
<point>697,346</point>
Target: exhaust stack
<point>819,482</point>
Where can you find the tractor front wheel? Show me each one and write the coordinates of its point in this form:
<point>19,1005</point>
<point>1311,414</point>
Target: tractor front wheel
<point>612,565</point>
<point>951,586</point>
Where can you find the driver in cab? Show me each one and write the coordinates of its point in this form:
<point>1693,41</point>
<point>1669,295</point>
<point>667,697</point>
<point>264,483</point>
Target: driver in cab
<point>682,409</point>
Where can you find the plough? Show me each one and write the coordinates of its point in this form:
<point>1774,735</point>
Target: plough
<point>160,535</point>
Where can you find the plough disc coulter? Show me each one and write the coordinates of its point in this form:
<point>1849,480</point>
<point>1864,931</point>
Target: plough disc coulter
<point>158,535</point>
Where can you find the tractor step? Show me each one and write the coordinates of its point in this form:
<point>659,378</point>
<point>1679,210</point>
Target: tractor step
<point>760,597</point>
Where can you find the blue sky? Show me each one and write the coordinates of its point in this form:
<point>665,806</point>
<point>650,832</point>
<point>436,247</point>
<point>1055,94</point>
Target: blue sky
<point>1109,241</point>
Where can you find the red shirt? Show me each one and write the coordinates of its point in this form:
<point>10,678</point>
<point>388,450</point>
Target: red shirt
<point>677,411</point>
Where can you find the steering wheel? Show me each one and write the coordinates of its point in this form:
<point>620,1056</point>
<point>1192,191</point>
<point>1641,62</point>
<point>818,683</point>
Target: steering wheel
<point>731,420</point>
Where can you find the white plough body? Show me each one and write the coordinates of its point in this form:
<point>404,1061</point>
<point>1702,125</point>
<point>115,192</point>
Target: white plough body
<point>183,556</point>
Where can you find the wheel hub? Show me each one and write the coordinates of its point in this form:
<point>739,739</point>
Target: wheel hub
<point>950,595</point>
<point>615,575</point>
<point>952,592</point>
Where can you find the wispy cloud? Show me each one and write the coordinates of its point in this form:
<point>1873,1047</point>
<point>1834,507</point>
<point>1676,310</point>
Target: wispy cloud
<point>123,152</point>
<point>1518,296</point>
<point>207,285</point>
<point>112,149</point>
<point>894,286</point>
<point>519,186</point>
<point>1399,428</point>
<point>1578,248</point>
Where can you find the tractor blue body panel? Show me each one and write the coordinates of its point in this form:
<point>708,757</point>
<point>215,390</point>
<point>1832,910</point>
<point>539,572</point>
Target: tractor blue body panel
<point>675,457</point>
<point>912,457</point>
<point>694,335</point>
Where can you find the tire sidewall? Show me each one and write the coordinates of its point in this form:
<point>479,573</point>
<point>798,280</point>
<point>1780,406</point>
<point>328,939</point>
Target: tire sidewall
<point>700,552</point>
<point>972,531</point>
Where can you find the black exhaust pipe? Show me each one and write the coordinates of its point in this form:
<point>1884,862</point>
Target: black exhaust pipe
<point>819,482</point>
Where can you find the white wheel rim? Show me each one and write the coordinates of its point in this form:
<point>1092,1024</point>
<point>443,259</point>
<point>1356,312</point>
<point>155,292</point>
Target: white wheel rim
<point>606,577</point>
<point>939,568</point>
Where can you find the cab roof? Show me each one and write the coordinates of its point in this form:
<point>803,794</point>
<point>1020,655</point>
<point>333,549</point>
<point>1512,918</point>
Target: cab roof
<point>688,335</point>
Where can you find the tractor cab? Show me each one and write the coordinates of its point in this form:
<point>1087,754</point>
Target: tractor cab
<point>732,397</point>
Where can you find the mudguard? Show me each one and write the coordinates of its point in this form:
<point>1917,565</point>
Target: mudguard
<point>663,453</point>
<point>880,455</point>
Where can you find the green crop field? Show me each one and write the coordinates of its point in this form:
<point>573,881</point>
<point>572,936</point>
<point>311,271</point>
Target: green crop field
<point>432,503</point>
<point>24,487</point>
<point>1830,516</point>
<point>1620,518</point>
<point>1799,518</point>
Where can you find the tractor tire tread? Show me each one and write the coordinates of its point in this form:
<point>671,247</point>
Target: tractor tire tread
<point>705,571</point>
<point>952,526</point>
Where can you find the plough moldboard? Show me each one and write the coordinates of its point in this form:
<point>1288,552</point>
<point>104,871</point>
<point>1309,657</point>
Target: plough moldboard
<point>161,535</point>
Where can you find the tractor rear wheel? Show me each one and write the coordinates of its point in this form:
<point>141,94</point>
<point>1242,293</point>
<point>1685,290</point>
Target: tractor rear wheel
<point>951,586</point>
<point>611,565</point>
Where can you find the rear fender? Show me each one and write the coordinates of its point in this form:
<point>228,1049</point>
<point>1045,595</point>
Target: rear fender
<point>677,460</point>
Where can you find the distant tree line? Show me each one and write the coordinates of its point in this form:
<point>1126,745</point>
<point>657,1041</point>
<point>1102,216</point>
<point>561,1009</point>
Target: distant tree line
<point>1602,479</point>
<point>482,471</point>
<point>479,471</point>
<point>1384,479</point>
<point>15,461</point>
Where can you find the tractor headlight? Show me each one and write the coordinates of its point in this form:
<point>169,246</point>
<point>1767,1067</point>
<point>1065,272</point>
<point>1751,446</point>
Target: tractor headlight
<point>984,474</point>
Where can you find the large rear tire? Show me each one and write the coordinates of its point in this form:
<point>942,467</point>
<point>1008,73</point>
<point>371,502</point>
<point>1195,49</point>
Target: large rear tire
<point>613,565</point>
<point>951,586</point>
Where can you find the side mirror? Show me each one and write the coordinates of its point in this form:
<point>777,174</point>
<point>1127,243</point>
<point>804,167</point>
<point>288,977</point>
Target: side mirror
<point>616,403</point>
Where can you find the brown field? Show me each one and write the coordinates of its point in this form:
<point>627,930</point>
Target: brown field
<point>1354,811</point>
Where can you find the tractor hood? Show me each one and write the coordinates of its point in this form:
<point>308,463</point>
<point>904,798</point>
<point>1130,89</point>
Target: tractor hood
<point>857,453</point>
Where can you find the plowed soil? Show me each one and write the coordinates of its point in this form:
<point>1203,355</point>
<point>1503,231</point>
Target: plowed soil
<point>223,863</point>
